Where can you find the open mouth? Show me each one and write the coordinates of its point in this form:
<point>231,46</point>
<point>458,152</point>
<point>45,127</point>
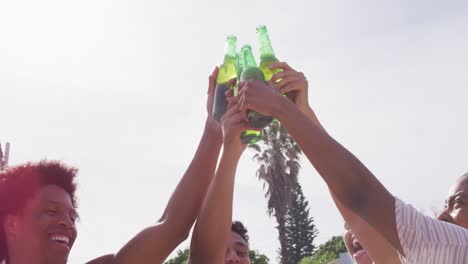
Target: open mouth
<point>358,250</point>
<point>61,240</point>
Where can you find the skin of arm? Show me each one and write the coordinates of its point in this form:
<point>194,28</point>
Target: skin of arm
<point>378,249</point>
<point>296,86</point>
<point>214,221</point>
<point>155,243</point>
<point>352,183</point>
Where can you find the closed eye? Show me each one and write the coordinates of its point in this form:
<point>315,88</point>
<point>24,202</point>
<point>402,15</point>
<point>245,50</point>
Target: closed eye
<point>51,212</point>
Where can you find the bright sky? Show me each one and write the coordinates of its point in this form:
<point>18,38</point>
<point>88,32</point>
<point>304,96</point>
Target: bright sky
<point>118,89</point>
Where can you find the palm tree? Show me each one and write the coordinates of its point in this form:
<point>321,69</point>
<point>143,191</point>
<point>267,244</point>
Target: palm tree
<point>278,156</point>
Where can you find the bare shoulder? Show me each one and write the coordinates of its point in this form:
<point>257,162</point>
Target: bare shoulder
<point>106,259</point>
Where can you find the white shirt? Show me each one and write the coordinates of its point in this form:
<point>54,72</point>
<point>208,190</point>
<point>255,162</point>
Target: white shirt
<point>427,240</point>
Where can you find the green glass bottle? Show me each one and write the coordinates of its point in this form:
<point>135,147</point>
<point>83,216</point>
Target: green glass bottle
<point>240,68</point>
<point>252,72</point>
<point>227,72</point>
<point>240,64</point>
<point>267,55</point>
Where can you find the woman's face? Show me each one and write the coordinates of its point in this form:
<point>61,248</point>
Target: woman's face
<point>355,249</point>
<point>456,205</point>
<point>45,228</point>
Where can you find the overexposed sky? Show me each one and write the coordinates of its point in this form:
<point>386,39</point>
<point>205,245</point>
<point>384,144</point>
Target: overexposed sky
<point>117,88</point>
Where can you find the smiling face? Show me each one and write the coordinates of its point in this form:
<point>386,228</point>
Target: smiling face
<point>456,205</point>
<point>45,228</point>
<point>355,249</point>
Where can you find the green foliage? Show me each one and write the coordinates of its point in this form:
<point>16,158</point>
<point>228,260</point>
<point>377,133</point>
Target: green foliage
<point>326,252</point>
<point>306,260</point>
<point>258,258</point>
<point>324,258</point>
<point>300,229</point>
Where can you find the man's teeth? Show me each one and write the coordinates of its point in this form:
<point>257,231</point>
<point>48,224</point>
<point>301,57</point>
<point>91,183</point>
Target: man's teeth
<point>59,238</point>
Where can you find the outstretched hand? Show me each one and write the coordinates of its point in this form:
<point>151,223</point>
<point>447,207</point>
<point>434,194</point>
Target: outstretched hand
<point>233,124</point>
<point>258,96</point>
<point>292,83</point>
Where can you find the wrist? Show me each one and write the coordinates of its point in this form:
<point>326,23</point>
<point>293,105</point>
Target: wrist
<point>305,108</point>
<point>282,107</point>
<point>233,149</point>
<point>213,131</point>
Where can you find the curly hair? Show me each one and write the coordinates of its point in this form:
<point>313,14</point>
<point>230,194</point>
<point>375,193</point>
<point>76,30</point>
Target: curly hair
<point>19,184</point>
<point>239,228</point>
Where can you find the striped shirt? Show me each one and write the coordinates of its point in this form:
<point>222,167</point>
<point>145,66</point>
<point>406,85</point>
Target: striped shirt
<point>427,240</point>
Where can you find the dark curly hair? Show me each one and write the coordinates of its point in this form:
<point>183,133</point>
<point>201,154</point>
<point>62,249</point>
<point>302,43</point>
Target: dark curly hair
<point>239,228</point>
<point>19,184</point>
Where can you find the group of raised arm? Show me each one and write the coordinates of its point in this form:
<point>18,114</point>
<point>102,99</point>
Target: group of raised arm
<point>155,243</point>
<point>390,230</point>
<point>387,228</point>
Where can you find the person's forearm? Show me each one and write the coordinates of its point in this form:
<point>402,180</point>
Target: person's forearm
<point>185,202</point>
<point>378,249</point>
<point>375,245</point>
<point>215,218</point>
<point>307,110</point>
<point>155,243</point>
<point>345,174</point>
<point>352,183</point>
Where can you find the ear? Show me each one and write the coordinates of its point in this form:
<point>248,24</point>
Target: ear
<point>10,225</point>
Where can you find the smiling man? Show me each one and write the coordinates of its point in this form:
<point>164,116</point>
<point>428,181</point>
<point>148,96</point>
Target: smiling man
<point>37,212</point>
<point>355,249</point>
<point>37,208</point>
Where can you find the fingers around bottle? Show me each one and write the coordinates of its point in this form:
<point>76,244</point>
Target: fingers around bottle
<point>240,104</point>
<point>244,108</point>
<point>238,123</point>
<point>279,75</point>
<point>288,79</point>
<point>233,100</point>
<point>233,82</point>
<point>235,119</point>
<point>229,93</point>
<point>280,65</point>
<point>241,87</point>
<point>232,111</point>
<point>293,86</point>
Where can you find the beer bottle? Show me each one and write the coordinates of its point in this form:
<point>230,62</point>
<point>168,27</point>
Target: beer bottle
<point>227,71</point>
<point>267,55</point>
<point>252,72</point>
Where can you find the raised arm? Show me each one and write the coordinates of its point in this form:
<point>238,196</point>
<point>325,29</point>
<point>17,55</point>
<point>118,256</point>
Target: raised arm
<point>213,225</point>
<point>353,184</point>
<point>296,86</point>
<point>155,243</point>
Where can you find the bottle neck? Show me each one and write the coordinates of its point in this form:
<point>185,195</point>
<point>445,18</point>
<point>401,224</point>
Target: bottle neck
<point>248,59</point>
<point>266,50</point>
<point>230,50</point>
